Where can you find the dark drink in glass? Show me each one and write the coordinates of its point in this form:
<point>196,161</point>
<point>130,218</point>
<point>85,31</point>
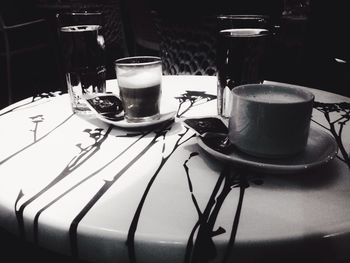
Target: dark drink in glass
<point>241,49</point>
<point>82,52</point>
<point>240,58</point>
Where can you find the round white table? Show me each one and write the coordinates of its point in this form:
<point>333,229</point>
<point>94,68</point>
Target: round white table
<point>81,187</point>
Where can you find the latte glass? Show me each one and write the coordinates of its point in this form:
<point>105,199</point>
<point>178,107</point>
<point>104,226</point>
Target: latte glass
<point>140,87</point>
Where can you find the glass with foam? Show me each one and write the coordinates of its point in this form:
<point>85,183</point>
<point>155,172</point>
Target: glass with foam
<point>140,80</point>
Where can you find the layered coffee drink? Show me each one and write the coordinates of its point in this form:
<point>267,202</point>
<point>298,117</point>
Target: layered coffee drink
<point>139,81</point>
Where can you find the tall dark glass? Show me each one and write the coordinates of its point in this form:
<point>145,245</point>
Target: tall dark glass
<point>83,58</point>
<point>241,50</point>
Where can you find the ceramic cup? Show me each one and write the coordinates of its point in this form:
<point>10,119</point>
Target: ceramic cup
<point>270,120</point>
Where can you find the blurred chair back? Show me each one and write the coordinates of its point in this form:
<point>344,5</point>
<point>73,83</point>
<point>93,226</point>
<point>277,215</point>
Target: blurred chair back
<point>187,44</point>
<point>187,30</point>
<point>142,34</point>
<point>18,38</point>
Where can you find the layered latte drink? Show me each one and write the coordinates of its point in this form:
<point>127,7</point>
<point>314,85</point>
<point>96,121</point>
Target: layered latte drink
<point>139,80</point>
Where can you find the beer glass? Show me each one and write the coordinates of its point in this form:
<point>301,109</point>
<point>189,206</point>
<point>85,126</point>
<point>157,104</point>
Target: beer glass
<point>82,49</point>
<point>241,50</point>
<point>139,80</point>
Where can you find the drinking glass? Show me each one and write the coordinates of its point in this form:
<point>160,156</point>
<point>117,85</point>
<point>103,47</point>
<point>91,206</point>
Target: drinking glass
<point>139,80</point>
<point>83,57</point>
<point>242,43</point>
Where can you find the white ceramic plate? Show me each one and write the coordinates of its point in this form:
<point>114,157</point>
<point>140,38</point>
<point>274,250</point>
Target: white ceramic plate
<point>108,108</point>
<point>136,125</point>
<point>321,148</point>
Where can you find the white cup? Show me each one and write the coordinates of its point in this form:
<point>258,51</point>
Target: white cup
<point>270,120</point>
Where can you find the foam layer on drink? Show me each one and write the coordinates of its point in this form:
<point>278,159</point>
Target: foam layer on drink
<point>139,78</point>
<point>272,94</point>
<point>244,32</point>
<point>275,97</point>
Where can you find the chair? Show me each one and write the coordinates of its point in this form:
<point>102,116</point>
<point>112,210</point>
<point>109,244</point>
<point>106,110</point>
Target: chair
<point>141,32</point>
<point>188,31</point>
<point>187,45</point>
<point>18,39</point>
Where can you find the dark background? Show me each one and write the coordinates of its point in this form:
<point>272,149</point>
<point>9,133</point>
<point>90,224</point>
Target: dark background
<point>306,52</point>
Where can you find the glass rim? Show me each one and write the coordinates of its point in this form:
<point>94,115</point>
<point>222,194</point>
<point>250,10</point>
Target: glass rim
<point>249,32</point>
<point>87,27</point>
<point>307,95</point>
<point>133,61</point>
<point>247,17</point>
<point>87,13</point>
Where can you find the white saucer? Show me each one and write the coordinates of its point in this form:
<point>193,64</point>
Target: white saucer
<point>321,148</point>
<point>137,125</point>
<point>108,108</point>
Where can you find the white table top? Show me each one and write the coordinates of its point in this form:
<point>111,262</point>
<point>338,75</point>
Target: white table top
<point>79,186</point>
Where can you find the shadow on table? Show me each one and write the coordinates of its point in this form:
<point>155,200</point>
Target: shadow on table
<point>15,250</point>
